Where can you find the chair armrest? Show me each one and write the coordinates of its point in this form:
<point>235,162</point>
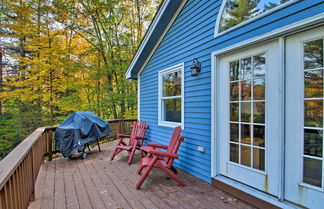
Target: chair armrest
<point>164,154</point>
<point>123,136</point>
<point>140,137</point>
<point>157,145</point>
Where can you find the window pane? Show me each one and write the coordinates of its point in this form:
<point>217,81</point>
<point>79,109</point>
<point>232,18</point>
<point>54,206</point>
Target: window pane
<point>258,159</point>
<point>172,110</point>
<point>234,132</point>
<point>313,54</point>
<point>314,113</point>
<point>258,135</point>
<point>258,112</point>
<point>246,111</point>
<point>172,84</point>
<point>234,153</point>
<point>246,155</point>
<point>234,91</point>
<point>234,71</point>
<point>246,134</point>
<point>236,11</point>
<point>313,83</point>
<point>246,90</point>
<point>259,65</point>
<point>313,142</point>
<point>234,112</point>
<point>245,72</point>
<point>312,172</point>
<point>259,89</point>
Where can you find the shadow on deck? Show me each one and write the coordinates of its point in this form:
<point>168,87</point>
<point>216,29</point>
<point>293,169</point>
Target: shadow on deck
<point>97,182</point>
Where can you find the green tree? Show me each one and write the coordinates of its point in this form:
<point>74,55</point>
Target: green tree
<point>237,11</point>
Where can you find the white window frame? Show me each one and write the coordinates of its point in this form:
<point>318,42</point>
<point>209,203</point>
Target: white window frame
<point>161,122</point>
<point>221,11</point>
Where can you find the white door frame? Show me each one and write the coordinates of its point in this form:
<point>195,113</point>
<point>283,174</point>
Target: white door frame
<point>280,34</point>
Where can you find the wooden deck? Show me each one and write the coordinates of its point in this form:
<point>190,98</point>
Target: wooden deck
<point>100,183</point>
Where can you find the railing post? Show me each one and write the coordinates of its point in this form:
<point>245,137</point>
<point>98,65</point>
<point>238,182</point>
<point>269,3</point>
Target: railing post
<point>50,138</point>
<point>33,171</point>
<point>119,127</point>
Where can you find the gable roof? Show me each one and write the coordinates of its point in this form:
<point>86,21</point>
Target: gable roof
<point>160,22</point>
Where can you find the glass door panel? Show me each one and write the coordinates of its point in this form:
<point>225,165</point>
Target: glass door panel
<point>304,119</point>
<point>246,110</point>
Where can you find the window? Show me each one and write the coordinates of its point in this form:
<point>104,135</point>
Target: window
<point>247,111</point>
<point>235,12</point>
<point>313,112</point>
<point>171,96</point>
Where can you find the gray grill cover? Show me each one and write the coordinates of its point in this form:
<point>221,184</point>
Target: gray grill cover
<point>79,129</point>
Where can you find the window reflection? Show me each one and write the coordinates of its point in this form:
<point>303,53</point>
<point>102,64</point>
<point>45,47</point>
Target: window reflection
<point>313,54</point>
<point>313,112</point>
<point>313,84</point>
<point>246,90</point>
<point>312,172</point>
<point>234,132</point>
<point>172,84</point>
<point>172,109</point>
<point>258,159</point>
<point>238,11</point>
<point>313,142</point>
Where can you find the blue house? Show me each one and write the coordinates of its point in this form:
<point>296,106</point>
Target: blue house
<point>244,80</point>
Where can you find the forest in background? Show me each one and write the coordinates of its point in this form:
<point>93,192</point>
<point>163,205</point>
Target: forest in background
<point>62,56</point>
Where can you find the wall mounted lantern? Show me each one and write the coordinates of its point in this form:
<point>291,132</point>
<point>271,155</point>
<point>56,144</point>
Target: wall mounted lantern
<point>196,67</point>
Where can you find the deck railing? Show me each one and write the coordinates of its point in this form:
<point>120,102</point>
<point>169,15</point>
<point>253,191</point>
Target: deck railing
<point>19,169</point>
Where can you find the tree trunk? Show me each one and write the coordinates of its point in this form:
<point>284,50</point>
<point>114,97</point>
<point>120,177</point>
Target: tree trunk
<point>1,79</point>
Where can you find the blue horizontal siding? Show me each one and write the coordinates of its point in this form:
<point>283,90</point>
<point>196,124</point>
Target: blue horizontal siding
<point>192,36</point>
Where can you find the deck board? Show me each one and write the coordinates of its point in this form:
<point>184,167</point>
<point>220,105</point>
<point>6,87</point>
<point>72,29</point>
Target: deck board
<point>97,182</point>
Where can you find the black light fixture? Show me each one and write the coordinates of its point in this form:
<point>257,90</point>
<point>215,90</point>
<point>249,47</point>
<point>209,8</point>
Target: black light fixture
<point>196,67</point>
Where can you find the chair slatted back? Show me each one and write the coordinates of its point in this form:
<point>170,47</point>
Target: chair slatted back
<point>138,130</point>
<point>174,145</point>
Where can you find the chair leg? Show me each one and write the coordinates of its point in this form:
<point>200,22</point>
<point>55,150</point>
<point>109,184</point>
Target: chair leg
<point>174,170</point>
<point>146,172</point>
<point>139,171</point>
<point>171,174</point>
<point>131,156</point>
<point>114,153</point>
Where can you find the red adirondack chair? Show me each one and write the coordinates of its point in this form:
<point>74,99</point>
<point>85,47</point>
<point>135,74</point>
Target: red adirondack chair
<point>135,140</point>
<point>164,160</point>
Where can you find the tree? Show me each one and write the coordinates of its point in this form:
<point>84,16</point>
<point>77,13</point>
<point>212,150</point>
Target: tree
<point>237,11</point>
<point>64,56</point>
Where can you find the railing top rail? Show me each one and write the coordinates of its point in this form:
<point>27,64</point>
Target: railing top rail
<point>9,164</point>
<point>116,120</point>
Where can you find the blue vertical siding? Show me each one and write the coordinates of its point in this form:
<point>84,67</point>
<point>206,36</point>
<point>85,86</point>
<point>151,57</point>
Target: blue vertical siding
<point>192,36</point>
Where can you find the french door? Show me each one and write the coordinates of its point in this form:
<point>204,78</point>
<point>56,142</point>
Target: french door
<point>247,109</point>
<point>304,180</point>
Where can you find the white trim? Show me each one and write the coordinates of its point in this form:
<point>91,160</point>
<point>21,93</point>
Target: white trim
<point>256,193</point>
<point>281,145</point>
<point>214,170</point>
<point>308,22</point>
<point>147,36</point>
<point>160,73</point>
<point>139,98</point>
<point>221,10</point>
<point>162,36</point>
